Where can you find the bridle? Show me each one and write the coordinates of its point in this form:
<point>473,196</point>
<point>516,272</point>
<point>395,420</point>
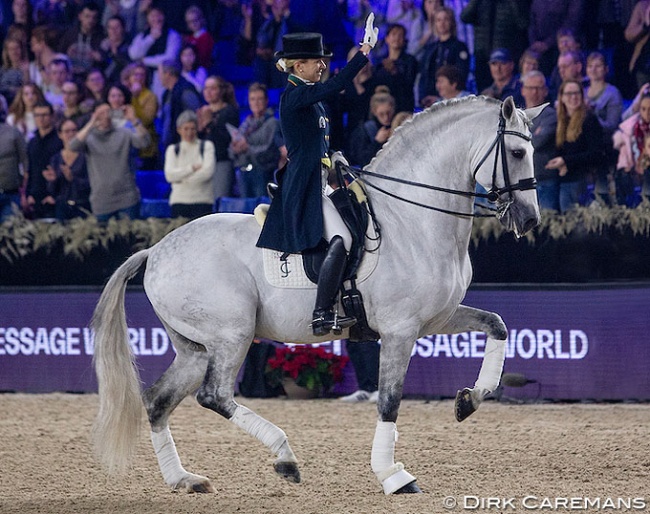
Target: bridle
<point>498,146</point>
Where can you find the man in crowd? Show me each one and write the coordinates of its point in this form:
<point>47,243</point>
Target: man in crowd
<point>504,81</point>
<point>13,162</point>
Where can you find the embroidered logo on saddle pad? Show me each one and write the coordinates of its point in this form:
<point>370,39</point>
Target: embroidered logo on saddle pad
<point>290,272</point>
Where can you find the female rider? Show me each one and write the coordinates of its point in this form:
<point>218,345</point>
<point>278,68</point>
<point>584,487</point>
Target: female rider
<point>301,213</point>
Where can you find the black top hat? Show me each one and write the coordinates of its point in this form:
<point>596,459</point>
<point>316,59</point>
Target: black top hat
<point>302,45</point>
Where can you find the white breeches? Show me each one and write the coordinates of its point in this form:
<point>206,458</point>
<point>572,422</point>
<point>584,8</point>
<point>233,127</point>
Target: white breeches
<point>333,225</point>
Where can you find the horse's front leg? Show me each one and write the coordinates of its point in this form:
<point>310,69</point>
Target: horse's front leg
<point>394,360</point>
<point>466,319</point>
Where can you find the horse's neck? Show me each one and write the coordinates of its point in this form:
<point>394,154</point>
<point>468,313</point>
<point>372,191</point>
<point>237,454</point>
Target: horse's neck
<point>426,152</point>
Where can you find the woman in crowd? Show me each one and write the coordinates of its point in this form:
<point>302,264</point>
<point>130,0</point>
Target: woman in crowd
<point>94,89</point>
<point>118,97</point>
<point>42,44</point>
<point>450,83</point>
<point>368,138</point>
<point>115,49</point>
<point>189,167</point>
<point>606,102</point>
<point>528,61</point>
<point>423,31</point>
<point>145,105</point>
<point>629,141</point>
<point>254,149</point>
<point>15,68</point>
<point>578,140</point>
<point>190,68</point>
<point>199,36</point>
<point>67,177</point>
<point>445,49</point>
<point>221,109</point>
<point>21,111</point>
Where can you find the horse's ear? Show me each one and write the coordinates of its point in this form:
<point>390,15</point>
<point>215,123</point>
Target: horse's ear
<point>533,112</point>
<point>508,109</point>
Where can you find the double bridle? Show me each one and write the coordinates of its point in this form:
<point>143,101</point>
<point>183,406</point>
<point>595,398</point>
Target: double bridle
<point>493,195</point>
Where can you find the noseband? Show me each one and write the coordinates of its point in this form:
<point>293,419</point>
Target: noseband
<point>492,196</point>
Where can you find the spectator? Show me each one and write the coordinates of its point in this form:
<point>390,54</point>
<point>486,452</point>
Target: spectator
<point>118,98</point>
<point>528,61</point>
<point>114,193</point>
<point>67,177</point>
<point>157,44</point>
<point>364,356</point>
<point>133,20</point>
<point>497,24</point>
<point>42,45</point>
<point>13,164</point>
<point>115,49</point>
<point>179,96</point>
<point>569,67</point>
<point>15,68</point>
<point>269,41</point>
<point>23,20</point>
<point>398,69</point>
<point>444,50</point>
<point>71,109</point>
<point>199,36</point>
<point>58,14</point>
<point>191,70</point>
<point>145,105</point>
<point>578,143</point>
<point>643,168</point>
<point>82,41</point>
<point>254,150</point>
<point>40,149</point>
<point>547,17</point>
<point>58,72</point>
<point>408,15</point>
<point>450,83</point>
<point>423,32</point>
<point>368,138</point>
<point>221,109</point>
<point>189,167</point>
<point>253,14</point>
<point>94,90</point>
<point>636,33</point>
<point>606,103</point>
<point>629,141</point>
<point>544,127</point>
<point>21,111</point>
<point>504,83</point>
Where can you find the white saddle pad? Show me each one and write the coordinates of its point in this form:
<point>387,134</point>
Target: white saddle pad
<point>290,273</point>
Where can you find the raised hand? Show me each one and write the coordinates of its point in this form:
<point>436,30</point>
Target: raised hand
<point>371,33</point>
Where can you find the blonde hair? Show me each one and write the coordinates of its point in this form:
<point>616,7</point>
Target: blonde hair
<point>286,65</point>
<point>569,128</point>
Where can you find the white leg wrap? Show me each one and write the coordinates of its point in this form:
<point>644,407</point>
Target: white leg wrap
<point>392,475</point>
<point>168,460</point>
<point>490,374</point>
<point>270,435</point>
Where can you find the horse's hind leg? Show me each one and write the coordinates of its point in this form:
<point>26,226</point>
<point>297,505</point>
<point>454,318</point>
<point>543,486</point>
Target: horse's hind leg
<point>180,380</point>
<point>468,318</point>
<point>216,393</point>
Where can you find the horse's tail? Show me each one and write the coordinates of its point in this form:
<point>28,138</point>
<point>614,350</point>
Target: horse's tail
<point>120,403</point>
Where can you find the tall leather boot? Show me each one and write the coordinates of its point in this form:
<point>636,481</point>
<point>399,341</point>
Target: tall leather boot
<point>329,280</point>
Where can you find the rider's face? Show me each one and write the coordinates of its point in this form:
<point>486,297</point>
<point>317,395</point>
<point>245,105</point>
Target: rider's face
<point>310,69</point>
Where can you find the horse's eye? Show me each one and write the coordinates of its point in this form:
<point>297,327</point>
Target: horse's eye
<point>518,154</point>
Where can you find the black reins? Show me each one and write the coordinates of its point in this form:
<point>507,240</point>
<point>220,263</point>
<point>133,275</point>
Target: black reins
<point>492,196</point>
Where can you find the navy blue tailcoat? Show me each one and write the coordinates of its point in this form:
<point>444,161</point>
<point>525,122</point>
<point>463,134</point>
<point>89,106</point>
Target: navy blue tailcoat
<point>295,218</point>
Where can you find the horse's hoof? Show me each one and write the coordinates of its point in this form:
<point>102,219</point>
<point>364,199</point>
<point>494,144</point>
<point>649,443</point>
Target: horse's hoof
<point>410,488</point>
<point>464,405</point>
<point>288,470</point>
<point>195,484</point>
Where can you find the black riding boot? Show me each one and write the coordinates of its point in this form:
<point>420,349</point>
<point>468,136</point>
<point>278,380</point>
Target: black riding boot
<point>329,281</point>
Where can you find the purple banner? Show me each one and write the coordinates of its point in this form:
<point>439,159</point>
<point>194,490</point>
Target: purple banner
<point>589,343</point>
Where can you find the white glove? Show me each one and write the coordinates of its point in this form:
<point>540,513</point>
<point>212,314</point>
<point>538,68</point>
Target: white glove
<point>338,157</point>
<point>371,33</point>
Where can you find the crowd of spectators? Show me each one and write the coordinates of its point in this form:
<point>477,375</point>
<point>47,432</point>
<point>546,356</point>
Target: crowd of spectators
<point>99,90</point>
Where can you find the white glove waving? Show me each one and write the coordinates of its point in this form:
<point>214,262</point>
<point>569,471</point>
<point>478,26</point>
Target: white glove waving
<point>371,33</point>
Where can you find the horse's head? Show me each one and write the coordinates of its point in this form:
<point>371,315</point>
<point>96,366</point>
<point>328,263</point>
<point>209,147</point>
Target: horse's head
<point>506,169</point>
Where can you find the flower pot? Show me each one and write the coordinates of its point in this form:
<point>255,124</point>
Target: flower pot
<point>296,392</point>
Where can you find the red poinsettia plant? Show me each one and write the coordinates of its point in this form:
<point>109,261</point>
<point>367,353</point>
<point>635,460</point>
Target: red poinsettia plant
<point>309,366</point>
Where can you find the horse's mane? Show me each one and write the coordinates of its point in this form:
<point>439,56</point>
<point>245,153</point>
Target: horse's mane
<point>456,107</point>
